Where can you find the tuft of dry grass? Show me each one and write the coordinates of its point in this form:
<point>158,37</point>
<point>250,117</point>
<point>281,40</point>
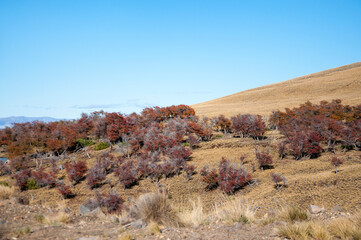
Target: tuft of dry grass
<point>56,219</point>
<point>292,214</point>
<point>304,230</point>
<point>154,228</point>
<point>345,228</point>
<point>6,192</point>
<point>195,216</point>
<point>126,236</point>
<point>154,207</point>
<point>22,231</point>
<point>233,210</point>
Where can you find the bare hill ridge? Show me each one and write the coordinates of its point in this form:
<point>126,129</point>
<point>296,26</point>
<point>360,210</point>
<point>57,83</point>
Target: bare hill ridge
<point>342,82</point>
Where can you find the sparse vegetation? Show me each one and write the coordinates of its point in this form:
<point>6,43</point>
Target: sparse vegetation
<point>292,214</point>
<point>150,150</point>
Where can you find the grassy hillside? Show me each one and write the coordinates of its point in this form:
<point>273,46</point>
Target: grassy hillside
<point>343,83</point>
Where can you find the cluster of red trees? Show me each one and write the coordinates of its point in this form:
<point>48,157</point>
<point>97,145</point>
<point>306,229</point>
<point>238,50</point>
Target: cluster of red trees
<point>58,137</point>
<point>156,143</point>
<point>243,125</point>
<point>229,177</point>
<point>309,126</point>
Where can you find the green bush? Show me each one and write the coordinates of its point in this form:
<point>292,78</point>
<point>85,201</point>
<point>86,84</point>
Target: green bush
<point>100,146</point>
<point>31,184</point>
<point>85,142</point>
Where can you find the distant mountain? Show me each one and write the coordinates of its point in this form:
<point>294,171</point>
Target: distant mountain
<point>7,122</point>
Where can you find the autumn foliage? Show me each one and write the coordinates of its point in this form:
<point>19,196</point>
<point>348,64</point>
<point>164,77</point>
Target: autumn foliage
<point>309,126</point>
<point>229,178</point>
<point>76,170</point>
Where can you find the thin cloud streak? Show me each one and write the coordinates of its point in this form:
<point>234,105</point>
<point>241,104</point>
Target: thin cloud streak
<point>130,103</point>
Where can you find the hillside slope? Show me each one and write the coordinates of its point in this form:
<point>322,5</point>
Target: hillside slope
<point>343,83</point>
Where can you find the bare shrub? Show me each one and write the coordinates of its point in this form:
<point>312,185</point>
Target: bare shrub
<point>231,178</point>
<point>277,179</point>
<point>336,162</point>
<point>264,159</point>
<point>113,202</point>
<point>96,175</point>
<point>210,178</point>
<point>76,170</point>
<point>65,190</point>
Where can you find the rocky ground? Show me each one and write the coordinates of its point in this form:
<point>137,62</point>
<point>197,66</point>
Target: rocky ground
<point>18,220</point>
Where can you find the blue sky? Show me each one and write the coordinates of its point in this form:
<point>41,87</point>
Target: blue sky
<point>62,58</point>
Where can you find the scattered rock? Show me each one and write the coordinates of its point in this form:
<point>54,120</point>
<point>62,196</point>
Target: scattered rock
<point>113,219</point>
<point>136,224</point>
<point>238,225</point>
<point>89,238</point>
<point>315,209</point>
<point>84,209</point>
<point>337,208</point>
<point>124,221</point>
<point>98,213</point>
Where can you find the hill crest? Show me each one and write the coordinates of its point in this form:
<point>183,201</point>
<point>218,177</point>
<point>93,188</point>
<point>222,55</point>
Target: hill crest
<point>337,83</point>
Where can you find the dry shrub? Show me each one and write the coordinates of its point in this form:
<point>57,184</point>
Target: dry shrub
<point>195,216</point>
<point>6,192</point>
<point>22,231</point>
<point>292,214</point>
<point>346,228</point>
<point>154,207</point>
<point>126,236</point>
<point>154,228</point>
<point>233,210</point>
<point>304,230</point>
<point>57,219</point>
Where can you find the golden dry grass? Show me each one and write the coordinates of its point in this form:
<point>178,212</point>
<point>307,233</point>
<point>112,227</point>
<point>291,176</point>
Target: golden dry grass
<point>292,214</point>
<point>345,228</point>
<point>235,210</point>
<point>126,236</point>
<point>343,83</point>
<point>6,192</point>
<point>155,207</point>
<point>305,231</point>
<point>195,216</point>
<point>56,219</point>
